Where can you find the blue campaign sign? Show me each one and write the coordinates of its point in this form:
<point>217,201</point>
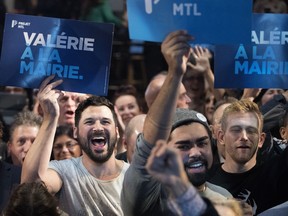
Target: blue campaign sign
<point>209,21</point>
<point>78,52</point>
<point>264,64</point>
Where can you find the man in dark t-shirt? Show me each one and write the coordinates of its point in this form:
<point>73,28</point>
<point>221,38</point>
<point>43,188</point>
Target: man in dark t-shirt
<point>260,185</point>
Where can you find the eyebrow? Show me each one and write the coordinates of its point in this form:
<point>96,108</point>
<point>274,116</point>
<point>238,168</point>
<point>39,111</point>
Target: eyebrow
<point>246,126</point>
<point>200,139</point>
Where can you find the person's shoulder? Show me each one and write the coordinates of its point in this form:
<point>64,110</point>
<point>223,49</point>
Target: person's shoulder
<point>126,165</point>
<point>280,210</point>
<point>67,163</point>
<point>219,189</point>
<point>7,167</point>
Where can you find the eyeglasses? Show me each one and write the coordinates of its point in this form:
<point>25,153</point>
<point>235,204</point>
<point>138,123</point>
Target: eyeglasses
<point>69,145</point>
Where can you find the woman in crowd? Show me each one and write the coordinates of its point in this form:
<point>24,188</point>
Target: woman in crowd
<point>128,104</point>
<point>65,146</point>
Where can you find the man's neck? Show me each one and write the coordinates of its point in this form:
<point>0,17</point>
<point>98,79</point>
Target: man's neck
<point>202,188</point>
<point>234,167</point>
<point>103,171</point>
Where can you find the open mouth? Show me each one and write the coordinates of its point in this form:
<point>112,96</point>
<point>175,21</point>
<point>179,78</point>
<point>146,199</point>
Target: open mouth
<point>98,143</point>
<point>69,113</point>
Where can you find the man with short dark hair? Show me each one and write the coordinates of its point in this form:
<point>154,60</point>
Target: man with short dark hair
<point>141,193</point>
<point>87,185</point>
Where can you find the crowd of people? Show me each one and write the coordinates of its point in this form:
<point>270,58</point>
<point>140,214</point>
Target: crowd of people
<point>180,147</point>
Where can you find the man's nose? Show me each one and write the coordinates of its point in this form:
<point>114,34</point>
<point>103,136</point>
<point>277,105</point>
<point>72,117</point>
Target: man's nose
<point>70,102</point>
<point>188,99</point>
<point>27,145</point>
<point>97,126</point>
<point>194,151</point>
<point>244,135</point>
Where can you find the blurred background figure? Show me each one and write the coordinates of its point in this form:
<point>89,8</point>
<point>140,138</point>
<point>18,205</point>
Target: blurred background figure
<point>199,78</point>
<point>154,87</point>
<point>67,104</point>
<point>266,95</point>
<point>215,125</point>
<point>32,199</point>
<point>25,6</point>
<point>65,146</point>
<point>3,144</point>
<point>3,11</point>
<point>270,6</point>
<point>9,177</point>
<point>100,11</point>
<point>23,132</point>
<point>283,124</point>
<point>12,101</point>
<point>14,90</point>
<point>68,9</point>
<point>134,127</point>
<point>128,103</point>
<point>209,106</point>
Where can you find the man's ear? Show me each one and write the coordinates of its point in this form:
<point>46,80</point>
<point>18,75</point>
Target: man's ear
<point>261,139</point>
<point>124,142</point>
<point>283,133</point>
<point>9,146</point>
<point>117,133</point>
<point>220,137</point>
<point>213,131</point>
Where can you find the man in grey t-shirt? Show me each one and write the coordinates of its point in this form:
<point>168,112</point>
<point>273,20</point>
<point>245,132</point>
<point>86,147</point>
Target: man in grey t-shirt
<point>91,184</point>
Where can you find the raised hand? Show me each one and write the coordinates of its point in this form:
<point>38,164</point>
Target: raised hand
<point>48,97</point>
<point>250,93</point>
<point>201,56</point>
<point>176,50</point>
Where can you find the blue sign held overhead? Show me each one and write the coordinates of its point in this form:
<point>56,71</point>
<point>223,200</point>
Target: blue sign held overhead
<point>209,21</point>
<point>264,64</point>
<point>78,52</point>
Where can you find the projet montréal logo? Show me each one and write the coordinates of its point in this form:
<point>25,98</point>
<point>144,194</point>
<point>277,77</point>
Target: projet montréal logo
<point>149,4</point>
<point>19,24</point>
<point>14,23</point>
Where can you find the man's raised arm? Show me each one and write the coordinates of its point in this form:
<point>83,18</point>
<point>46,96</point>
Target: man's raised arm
<point>176,51</point>
<point>141,194</point>
<point>35,166</point>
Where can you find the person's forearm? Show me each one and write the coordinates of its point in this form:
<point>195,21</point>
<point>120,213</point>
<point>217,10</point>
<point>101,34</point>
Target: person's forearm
<point>209,76</point>
<point>37,159</point>
<point>189,203</point>
<point>159,122</point>
<point>179,187</point>
<point>218,93</point>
